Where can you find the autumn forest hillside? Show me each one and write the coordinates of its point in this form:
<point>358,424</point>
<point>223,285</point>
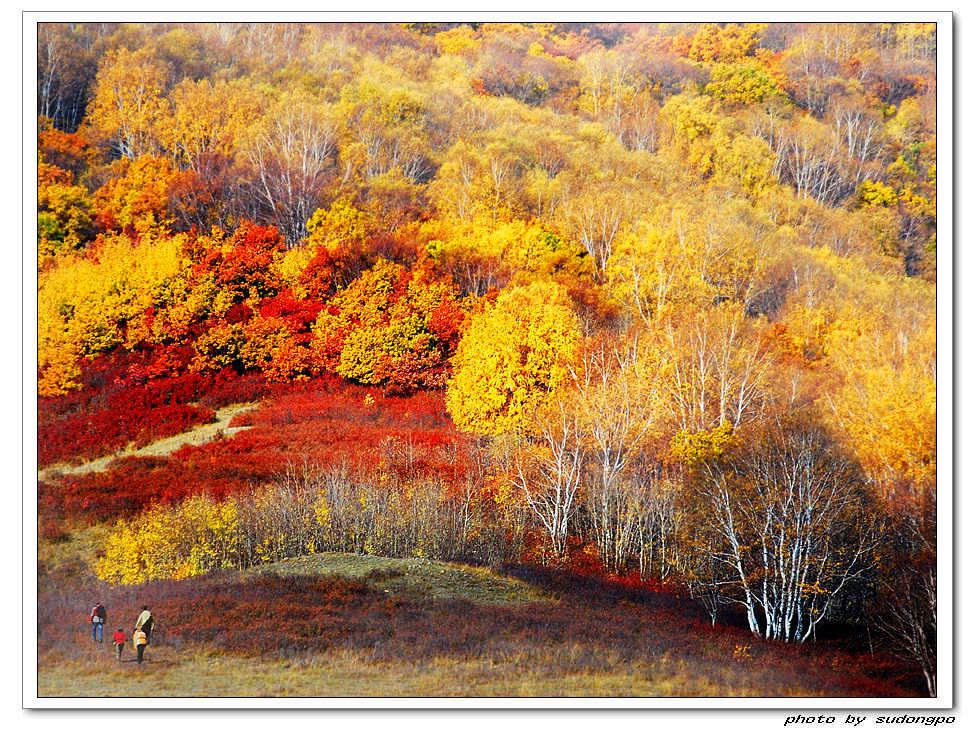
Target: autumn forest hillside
<point>649,306</point>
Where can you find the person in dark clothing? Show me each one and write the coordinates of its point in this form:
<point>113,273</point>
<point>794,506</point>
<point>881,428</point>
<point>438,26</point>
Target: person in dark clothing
<point>97,619</point>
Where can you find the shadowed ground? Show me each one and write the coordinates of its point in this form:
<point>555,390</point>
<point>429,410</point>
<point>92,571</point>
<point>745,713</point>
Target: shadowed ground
<point>343,625</point>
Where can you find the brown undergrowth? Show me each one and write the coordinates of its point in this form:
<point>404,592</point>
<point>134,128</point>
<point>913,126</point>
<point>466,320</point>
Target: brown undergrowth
<point>560,634</point>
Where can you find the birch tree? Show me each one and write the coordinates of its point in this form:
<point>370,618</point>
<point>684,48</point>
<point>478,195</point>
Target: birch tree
<point>615,404</point>
<point>128,101</point>
<point>907,613</point>
<point>711,370</point>
<point>289,156</point>
<point>548,471</point>
<point>793,525</point>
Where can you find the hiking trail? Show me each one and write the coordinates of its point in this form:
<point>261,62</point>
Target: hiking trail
<point>196,436</point>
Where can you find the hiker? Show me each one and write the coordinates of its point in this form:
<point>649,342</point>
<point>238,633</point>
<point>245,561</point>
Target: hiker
<point>144,622</point>
<point>139,640</point>
<point>97,619</point>
<point>119,640</point>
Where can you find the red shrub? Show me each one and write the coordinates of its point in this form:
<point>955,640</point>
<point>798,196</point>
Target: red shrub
<point>90,436</point>
<point>244,268</point>
<point>325,421</point>
<point>238,312</point>
<point>140,397</point>
<point>327,272</point>
<point>299,314</point>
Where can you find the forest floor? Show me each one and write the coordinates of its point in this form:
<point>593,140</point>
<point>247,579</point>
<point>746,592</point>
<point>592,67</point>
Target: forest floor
<point>197,435</point>
<point>341,625</point>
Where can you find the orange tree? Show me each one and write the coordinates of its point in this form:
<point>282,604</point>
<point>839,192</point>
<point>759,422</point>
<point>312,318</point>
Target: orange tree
<point>393,327</point>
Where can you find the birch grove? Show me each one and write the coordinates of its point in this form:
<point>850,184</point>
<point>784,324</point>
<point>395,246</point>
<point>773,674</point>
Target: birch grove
<point>793,525</point>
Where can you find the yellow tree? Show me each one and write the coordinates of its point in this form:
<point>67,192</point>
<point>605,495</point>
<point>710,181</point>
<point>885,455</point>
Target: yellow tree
<point>64,212</point>
<point>605,86</point>
<point>461,188</point>
<point>137,202</point>
<point>483,255</point>
<point>128,101</point>
<point>172,542</point>
<point>744,82</point>
<point>675,258</point>
<point>84,303</point>
<point>512,357</point>
<point>730,43</point>
<point>341,226</point>
<point>887,403</point>
<point>691,122</point>
<point>654,267</point>
<point>207,119</point>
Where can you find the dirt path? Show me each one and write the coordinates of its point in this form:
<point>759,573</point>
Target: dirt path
<point>195,436</point>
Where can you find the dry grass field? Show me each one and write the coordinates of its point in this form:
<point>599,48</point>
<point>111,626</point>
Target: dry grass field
<point>339,625</point>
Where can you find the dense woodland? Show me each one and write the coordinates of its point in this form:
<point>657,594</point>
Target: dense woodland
<point>653,301</point>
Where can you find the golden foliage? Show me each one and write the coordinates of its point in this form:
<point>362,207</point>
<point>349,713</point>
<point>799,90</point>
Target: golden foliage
<point>513,357</point>
<point>84,302</point>
<point>137,201</point>
<point>192,538</point>
<point>694,448</point>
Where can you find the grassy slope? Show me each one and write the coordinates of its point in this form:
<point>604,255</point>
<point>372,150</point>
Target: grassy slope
<point>341,625</point>
<point>414,577</point>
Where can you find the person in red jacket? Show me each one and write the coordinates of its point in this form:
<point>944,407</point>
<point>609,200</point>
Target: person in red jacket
<point>119,639</point>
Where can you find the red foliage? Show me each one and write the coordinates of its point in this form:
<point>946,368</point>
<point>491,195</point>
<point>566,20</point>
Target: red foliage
<point>100,379</point>
<point>52,175</point>
<point>326,421</point>
<point>169,359</point>
<point>398,247</point>
<point>413,371</point>
<point>94,435</point>
<point>133,484</point>
<point>129,397</point>
<point>229,387</point>
<point>238,312</point>
<point>326,272</point>
<point>445,322</point>
<point>298,314</point>
<point>245,268</point>
<point>105,220</point>
<point>67,150</point>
